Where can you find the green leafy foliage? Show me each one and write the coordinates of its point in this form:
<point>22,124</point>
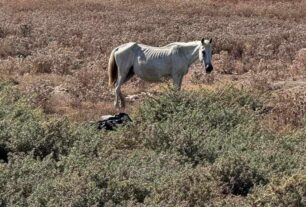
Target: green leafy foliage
<point>287,191</point>
<point>236,176</point>
<point>204,148</point>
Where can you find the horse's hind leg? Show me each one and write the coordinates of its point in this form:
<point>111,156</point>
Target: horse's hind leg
<point>118,94</point>
<point>124,60</point>
<point>119,98</point>
<point>125,78</point>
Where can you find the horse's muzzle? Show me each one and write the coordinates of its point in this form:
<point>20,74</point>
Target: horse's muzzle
<point>209,68</point>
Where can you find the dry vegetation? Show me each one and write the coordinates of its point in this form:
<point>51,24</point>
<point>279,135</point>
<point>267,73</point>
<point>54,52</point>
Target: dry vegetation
<point>46,45</point>
<point>233,138</point>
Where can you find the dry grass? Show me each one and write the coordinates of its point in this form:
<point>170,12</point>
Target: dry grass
<point>47,44</point>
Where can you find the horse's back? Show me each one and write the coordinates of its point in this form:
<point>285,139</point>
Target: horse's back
<point>138,47</point>
<point>126,46</point>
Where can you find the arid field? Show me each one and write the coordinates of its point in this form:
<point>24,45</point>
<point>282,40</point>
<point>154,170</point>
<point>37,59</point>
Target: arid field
<point>235,137</point>
<point>58,50</point>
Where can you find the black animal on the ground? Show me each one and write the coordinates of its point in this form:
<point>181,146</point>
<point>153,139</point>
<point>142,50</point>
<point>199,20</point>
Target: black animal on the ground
<point>111,122</point>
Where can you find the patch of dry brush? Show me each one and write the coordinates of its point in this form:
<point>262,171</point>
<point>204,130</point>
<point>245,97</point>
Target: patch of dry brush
<point>68,43</point>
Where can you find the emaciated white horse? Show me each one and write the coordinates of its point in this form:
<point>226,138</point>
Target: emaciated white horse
<point>154,63</point>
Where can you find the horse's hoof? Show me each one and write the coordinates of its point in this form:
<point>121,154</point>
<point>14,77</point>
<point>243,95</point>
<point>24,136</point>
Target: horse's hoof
<point>116,105</point>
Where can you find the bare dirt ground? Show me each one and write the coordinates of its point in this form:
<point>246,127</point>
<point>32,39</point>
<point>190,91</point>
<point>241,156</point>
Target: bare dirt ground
<point>57,51</point>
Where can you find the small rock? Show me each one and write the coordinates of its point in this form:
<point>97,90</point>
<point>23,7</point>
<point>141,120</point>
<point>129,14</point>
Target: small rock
<point>59,90</point>
<point>132,97</point>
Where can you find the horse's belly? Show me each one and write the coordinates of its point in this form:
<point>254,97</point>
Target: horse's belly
<point>149,74</point>
<point>152,73</point>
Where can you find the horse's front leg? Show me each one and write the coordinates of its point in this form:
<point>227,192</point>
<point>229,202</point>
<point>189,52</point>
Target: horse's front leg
<point>122,99</point>
<point>177,81</point>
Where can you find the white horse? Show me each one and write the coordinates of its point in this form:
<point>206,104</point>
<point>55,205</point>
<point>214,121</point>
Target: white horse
<point>154,63</point>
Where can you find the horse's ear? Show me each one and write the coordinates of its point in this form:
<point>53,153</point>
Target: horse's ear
<point>202,41</point>
<point>210,40</point>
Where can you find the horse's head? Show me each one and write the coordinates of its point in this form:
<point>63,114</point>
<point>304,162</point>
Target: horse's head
<point>205,54</point>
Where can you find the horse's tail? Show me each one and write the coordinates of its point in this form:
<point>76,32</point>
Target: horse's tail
<point>112,69</point>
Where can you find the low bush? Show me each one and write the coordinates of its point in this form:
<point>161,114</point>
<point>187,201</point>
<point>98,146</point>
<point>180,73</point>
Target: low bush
<point>27,130</point>
<point>204,148</point>
<point>199,126</point>
<point>237,176</point>
<point>190,187</point>
<point>287,191</point>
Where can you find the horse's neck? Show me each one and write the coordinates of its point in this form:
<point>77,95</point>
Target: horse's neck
<point>191,51</point>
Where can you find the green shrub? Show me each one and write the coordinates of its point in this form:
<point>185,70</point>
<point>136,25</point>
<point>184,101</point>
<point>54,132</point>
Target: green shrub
<point>23,175</point>
<point>204,148</point>
<point>190,187</point>
<point>198,126</point>
<point>27,130</point>
<point>236,176</point>
<point>172,102</point>
<point>289,191</point>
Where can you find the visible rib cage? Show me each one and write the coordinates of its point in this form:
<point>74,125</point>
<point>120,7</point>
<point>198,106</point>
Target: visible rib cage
<point>156,53</point>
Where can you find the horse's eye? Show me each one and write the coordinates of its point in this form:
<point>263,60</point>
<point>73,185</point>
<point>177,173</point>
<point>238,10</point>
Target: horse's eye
<point>203,52</point>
